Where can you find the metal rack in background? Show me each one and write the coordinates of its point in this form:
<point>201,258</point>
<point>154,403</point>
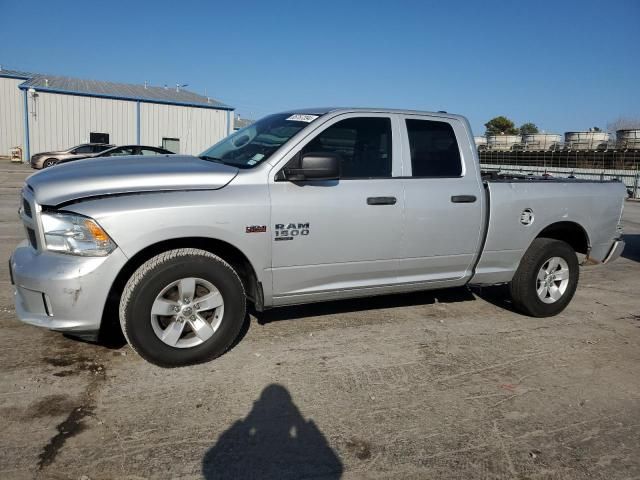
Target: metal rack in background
<point>603,164</point>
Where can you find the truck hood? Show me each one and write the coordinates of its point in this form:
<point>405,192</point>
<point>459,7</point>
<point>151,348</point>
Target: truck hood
<point>121,175</point>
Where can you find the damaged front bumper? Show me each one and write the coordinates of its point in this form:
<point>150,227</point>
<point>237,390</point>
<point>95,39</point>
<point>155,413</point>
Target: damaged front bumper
<point>63,292</point>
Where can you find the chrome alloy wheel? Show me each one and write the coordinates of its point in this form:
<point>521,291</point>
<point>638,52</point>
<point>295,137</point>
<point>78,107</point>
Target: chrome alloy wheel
<point>187,312</point>
<point>552,280</point>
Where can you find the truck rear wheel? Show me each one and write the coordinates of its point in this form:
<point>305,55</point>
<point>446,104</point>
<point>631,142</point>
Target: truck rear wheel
<point>546,279</point>
<point>182,307</point>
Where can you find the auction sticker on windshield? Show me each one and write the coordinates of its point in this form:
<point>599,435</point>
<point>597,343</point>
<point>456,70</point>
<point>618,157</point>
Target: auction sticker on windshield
<point>303,118</point>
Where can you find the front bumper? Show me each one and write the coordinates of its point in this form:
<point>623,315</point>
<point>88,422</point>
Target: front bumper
<point>36,161</point>
<point>615,252</point>
<point>62,292</point>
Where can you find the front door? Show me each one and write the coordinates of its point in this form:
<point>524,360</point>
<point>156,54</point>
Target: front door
<point>332,236</point>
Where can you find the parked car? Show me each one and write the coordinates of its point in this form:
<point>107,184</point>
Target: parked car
<point>299,207</point>
<point>49,159</point>
<point>125,150</point>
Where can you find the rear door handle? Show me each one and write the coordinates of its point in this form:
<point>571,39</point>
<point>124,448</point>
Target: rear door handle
<point>463,198</point>
<point>381,201</point>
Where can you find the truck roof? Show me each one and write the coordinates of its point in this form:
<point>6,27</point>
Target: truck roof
<point>325,110</point>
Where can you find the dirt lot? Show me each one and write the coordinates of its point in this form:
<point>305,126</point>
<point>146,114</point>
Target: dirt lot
<point>430,385</point>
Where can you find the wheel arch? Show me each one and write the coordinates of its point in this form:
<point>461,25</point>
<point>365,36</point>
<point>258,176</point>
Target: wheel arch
<point>570,232</point>
<point>229,253</point>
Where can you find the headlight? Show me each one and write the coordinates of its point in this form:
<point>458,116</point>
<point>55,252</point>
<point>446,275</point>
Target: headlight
<point>75,234</point>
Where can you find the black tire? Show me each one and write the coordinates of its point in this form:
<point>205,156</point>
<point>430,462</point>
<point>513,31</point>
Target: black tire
<point>49,162</point>
<point>148,281</point>
<point>524,283</point>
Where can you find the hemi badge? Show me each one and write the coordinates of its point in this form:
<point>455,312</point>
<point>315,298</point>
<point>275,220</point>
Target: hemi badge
<point>256,229</point>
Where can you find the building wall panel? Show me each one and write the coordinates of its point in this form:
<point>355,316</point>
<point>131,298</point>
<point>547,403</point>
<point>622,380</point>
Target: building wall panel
<point>196,128</point>
<point>61,121</point>
<point>11,115</point>
<point>58,121</point>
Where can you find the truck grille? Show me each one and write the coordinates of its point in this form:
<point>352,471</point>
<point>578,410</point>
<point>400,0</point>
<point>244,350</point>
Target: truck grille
<point>26,208</point>
<point>28,213</point>
<point>31,234</point>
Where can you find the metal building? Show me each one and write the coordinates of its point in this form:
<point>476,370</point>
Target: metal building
<point>503,142</point>
<point>11,110</point>
<point>586,140</point>
<point>541,141</point>
<point>46,112</point>
<point>628,139</point>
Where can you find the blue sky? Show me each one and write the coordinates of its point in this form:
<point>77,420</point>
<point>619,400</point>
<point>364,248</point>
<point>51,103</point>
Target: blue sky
<point>564,65</point>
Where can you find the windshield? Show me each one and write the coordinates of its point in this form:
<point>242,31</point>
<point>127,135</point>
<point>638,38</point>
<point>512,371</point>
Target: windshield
<point>254,144</point>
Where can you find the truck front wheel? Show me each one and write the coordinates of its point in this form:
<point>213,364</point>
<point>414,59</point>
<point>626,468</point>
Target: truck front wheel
<point>182,307</point>
<point>546,278</point>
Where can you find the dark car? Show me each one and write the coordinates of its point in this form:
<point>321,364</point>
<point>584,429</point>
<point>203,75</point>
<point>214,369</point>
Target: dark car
<point>125,150</point>
<point>49,159</point>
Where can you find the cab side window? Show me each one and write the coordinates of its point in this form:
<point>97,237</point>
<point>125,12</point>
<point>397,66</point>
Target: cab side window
<point>434,149</point>
<point>364,145</point>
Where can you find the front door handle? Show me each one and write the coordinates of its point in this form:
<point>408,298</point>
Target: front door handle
<point>463,198</point>
<point>381,201</point>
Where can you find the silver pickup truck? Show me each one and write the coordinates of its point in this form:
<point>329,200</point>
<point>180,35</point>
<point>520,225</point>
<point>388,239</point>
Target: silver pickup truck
<point>301,206</point>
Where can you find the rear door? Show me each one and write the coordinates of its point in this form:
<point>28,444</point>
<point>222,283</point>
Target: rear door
<point>444,201</point>
<point>332,236</point>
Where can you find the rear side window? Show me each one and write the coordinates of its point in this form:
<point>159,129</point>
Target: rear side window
<point>148,151</point>
<point>84,149</point>
<point>434,150</point>
<point>119,152</point>
<point>363,143</point>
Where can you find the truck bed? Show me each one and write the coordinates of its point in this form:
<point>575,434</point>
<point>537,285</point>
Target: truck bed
<point>494,176</point>
<point>520,207</point>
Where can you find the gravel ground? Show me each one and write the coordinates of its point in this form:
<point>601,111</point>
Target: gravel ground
<point>449,384</point>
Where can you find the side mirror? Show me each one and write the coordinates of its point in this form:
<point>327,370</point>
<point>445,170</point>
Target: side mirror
<point>315,166</point>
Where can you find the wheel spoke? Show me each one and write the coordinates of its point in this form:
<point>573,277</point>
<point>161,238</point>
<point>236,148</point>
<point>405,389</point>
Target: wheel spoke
<point>201,328</point>
<point>541,275</point>
<point>553,265</point>
<point>554,292</point>
<point>162,306</point>
<point>187,288</point>
<point>562,274</point>
<point>172,310</point>
<point>209,301</point>
<point>173,332</point>
<point>542,291</point>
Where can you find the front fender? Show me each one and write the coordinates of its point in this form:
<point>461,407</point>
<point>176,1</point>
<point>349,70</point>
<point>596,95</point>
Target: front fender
<point>136,222</point>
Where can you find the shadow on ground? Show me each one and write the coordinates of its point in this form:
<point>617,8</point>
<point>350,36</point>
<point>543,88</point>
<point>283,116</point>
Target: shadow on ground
<point>450,295</point>
<point>111,335</point>
<point>498,295</point>
<point>273,441</point>
<point>632,248</point>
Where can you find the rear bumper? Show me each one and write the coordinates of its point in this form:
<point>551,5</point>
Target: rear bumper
<point>615,252</point>
<point>62,292</point>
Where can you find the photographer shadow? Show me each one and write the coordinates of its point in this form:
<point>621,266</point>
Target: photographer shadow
<point>273,441</point>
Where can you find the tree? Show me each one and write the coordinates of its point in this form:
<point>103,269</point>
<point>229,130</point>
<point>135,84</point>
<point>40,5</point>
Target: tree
<point>528,128</point>
<point>596,129</point>
<point>500,126</point>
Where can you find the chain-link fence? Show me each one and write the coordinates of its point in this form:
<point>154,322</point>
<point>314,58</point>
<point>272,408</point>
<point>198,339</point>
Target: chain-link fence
<point>591,164</point>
